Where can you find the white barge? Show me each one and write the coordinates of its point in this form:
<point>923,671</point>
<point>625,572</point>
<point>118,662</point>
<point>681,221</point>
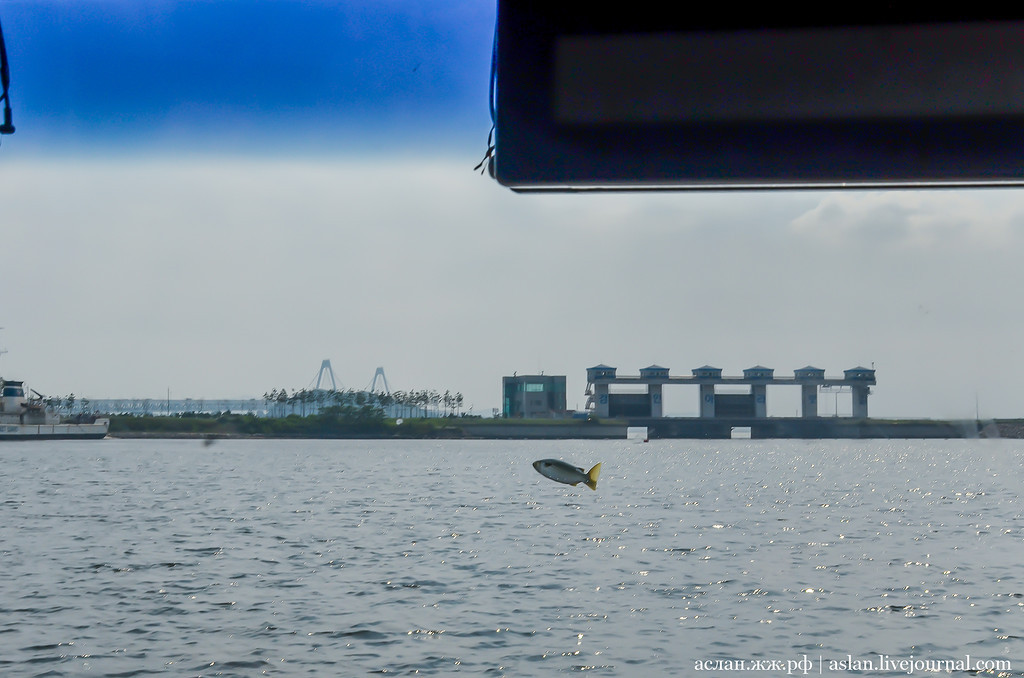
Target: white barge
<point>30,419</point>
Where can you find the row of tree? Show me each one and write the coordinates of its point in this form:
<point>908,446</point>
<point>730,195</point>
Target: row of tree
<point>424,403</point>
<point>306,402</point>
<point>67,403</point>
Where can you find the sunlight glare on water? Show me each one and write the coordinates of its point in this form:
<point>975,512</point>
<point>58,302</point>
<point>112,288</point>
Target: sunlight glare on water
<point>359,557</point>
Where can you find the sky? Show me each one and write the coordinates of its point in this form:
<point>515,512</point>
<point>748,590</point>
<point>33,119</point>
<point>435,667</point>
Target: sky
<point>211,197</point>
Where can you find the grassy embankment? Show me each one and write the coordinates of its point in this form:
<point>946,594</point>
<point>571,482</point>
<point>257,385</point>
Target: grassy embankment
<point>370,423</point>
<point>366,423</point>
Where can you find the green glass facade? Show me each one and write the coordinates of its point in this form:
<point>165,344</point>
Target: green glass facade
<point>533,396</point>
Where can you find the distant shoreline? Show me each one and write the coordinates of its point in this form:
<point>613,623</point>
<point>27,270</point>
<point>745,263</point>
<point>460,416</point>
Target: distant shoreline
<point>246,427</point>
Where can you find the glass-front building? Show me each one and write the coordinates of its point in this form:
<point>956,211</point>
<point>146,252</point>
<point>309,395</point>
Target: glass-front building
<point>533,396</point>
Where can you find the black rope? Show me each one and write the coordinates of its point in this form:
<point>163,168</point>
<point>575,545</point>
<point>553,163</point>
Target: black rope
<point>487,164</point>
<point>5,82</point>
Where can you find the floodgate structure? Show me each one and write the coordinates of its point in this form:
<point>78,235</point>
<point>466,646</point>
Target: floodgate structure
<point>731,403</point>
<point>715,403</point>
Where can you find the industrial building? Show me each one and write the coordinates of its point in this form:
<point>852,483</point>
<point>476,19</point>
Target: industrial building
<point>603,401</point>
<point>533,396</point>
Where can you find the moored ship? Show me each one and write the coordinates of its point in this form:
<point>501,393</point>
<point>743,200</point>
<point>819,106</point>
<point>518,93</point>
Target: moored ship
<point>23,418</point>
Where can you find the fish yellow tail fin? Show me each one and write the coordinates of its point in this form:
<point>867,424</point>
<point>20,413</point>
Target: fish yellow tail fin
<point>592,475</point>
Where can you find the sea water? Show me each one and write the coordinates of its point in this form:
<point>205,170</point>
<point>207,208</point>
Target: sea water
<point>349,558</point>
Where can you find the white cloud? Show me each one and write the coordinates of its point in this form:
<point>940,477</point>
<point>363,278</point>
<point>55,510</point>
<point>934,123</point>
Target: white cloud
<point>901,220</point>
<point>225,277</point>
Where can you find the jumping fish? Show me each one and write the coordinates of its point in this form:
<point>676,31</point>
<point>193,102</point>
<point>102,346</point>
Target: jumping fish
<point>562,472</point>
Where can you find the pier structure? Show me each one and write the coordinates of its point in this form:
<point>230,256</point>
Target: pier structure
<point>644,396</point>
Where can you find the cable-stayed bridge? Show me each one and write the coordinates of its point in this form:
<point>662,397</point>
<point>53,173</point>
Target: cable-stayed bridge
<point>165,407</point>
<point>309,401</point>
<point>168,407</point>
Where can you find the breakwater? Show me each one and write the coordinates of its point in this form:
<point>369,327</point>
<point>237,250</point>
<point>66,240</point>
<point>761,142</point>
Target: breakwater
<point>765,428</point>
<point>234,426</point>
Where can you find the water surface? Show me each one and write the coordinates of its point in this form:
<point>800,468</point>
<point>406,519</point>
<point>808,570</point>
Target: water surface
<point>316,558</point>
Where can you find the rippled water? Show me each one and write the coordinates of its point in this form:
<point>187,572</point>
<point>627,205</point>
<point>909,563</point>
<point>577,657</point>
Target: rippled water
<point>337,558</point>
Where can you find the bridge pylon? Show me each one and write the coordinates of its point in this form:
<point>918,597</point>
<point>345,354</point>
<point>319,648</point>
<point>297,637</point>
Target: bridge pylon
<point>373,385</point>
<point>325,368</point>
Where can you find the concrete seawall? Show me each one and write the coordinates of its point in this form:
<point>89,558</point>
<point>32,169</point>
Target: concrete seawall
<point>686,428</point>
<point>769,428</point>
<point>545,431</point>
<point>809,428</point>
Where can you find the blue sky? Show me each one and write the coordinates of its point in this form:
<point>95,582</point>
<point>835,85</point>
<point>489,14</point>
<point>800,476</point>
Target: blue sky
<point>239,75</point>
<point>211,197</point>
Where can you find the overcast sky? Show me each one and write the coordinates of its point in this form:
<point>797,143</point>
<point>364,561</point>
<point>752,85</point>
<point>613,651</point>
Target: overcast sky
<point>213,197</point>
